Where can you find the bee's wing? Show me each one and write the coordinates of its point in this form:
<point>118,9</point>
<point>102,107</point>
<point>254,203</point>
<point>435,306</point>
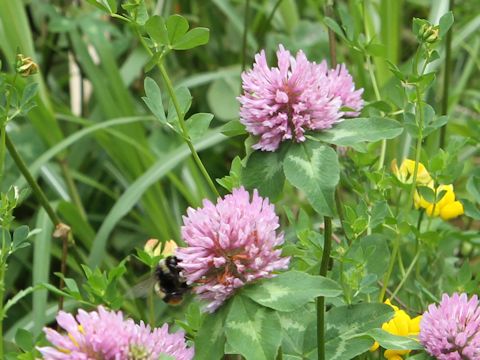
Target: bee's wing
<point>143,288</point>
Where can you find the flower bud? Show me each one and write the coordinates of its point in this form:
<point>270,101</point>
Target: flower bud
<point>25,66</point>
<point>169,248</point>
<point>428,33</point>
<point>152,247</point>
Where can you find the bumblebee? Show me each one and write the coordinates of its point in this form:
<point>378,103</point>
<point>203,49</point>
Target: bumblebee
<point>170,285</point>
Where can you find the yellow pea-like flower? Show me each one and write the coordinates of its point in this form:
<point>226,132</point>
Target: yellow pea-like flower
<point>404,173</point>
<point>447,207</point>
<point>402,325</point>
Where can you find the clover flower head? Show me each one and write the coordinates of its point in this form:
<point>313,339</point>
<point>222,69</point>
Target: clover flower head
<point>447,207</point>
<point>106,335</point>
<point>229,244</point>
<point>147,343</point>
<point>282,103</point>
<point>341,85</point>
<point>451,330</point>
<point>402,325</point>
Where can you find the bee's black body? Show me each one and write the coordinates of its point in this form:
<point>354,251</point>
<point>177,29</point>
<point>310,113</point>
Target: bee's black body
<point>171,285</point>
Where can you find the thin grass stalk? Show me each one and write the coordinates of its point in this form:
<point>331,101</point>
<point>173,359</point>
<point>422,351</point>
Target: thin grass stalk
<point>246,20</point>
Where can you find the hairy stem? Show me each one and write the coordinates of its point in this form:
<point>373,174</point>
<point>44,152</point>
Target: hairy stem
<point>60,228</point>
<point>181,117</point>
<point>327,246</point>
<point>393,256</point>
<point>3,127</point>
<point>186,136</point>
<point>38,192</point>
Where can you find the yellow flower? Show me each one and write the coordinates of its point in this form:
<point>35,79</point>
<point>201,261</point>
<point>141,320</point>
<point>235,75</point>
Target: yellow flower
<point>401,325</point>
<point>447,207</point>
<point>153,247</point>
<point>404,173</point>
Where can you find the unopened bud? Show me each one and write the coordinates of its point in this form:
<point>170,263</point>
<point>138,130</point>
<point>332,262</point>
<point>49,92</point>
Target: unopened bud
<point>169,248</point>
<point>25,65</point>
<point>433,37</point>
<point>62,231</point>
<point>152,247</point>
<point>428,33</point>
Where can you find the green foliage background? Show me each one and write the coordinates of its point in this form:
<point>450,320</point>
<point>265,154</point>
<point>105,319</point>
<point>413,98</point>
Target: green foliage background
<point>118,177</point>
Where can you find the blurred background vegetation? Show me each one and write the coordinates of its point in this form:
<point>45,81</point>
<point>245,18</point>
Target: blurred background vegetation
<point>118,178</point>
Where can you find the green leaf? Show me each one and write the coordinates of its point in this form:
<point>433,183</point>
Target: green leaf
<point>446,21</point>
<point>210,339</point>
<point>232,180</point>
<point>346,324</point>
<point>233,128</point>
<point>222,98</point>
<point>352,131</point>
<point>177,26</point>
<point>333,25</point>
<point>24,339</point>
<point>298,332</point>
<point>18,296</point>
<point>198,124</point>
<point>427,193</point>
<point>473,187</point>
<point>98,5</point>
<point>421,356</point>
<point>184,101</point>
<point>20,235</point>
<point>41,270</point>
<point>29,93</point>
<point>193,38</point>
<point>291,290</point>
<point>313,168</point>
<point>156,28</point>
<point>252,330</point>
<point>394,342</point>
<point>263,171</point>
<point>112,5</point>
<point>375,254</point>
<point>166,357</point>
<point>154,99</point>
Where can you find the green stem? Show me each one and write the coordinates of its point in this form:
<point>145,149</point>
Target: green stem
<point>417,239</point>
<point>446,79</point>
<point>418,150</point>
<point>327,246</point>
<point>4,126</point>
<point>186,136</point>
<point>72,189</point>
<point>407,274</point>
<point>2,294</point>
<point>386,279</point>
<point>42,198</point>
<point>181,117</point>
<point>151,307</point>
